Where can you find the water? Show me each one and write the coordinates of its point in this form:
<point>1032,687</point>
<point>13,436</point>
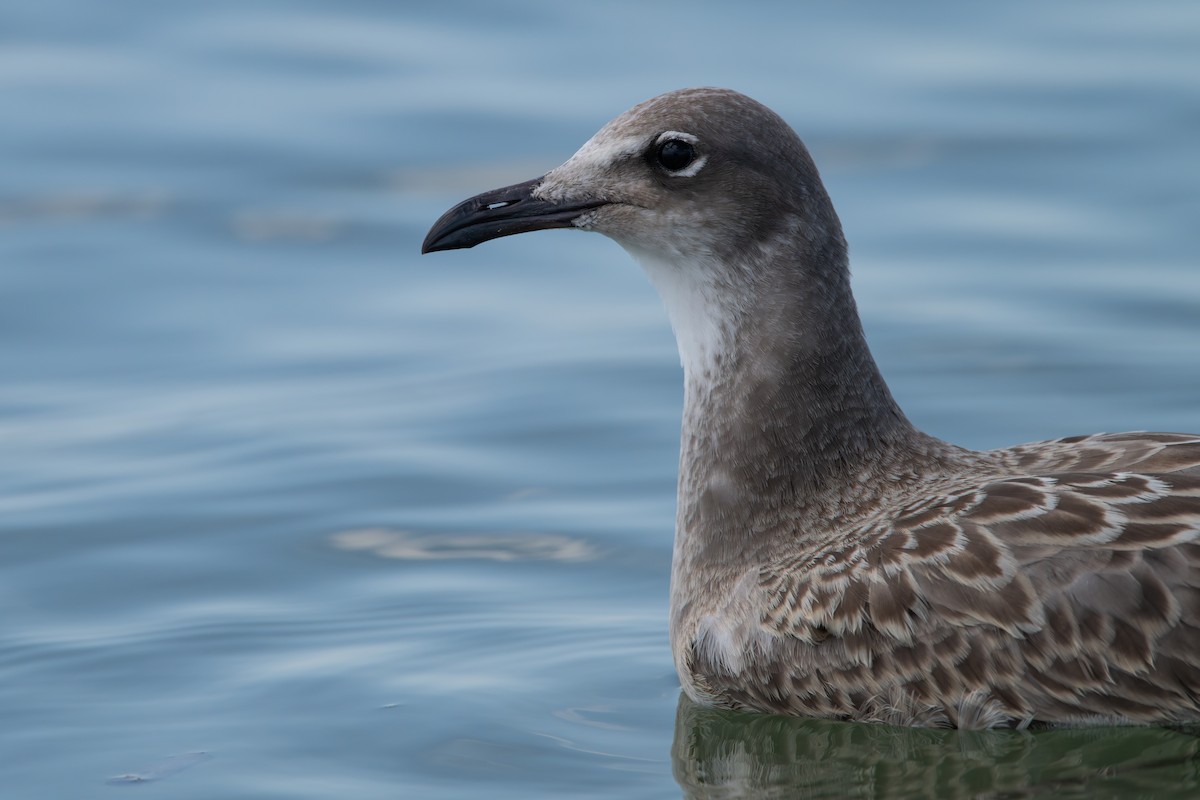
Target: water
<point>290,511</point>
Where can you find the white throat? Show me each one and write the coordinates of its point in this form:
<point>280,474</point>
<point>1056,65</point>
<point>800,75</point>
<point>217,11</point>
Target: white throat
<point>702,312</point>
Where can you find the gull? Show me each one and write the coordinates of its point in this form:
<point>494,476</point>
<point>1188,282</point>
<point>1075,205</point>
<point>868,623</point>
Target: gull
<point>830,559</point>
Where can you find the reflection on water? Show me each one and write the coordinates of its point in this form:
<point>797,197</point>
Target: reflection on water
<point>79,205</point>
<point>444,545</point>
<point>163,769</point>
<point>719,755</point>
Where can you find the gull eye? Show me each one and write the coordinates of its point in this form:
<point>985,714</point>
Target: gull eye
<point>676,154</point>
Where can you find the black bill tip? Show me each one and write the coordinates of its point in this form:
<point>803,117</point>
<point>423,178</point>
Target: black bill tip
<point>500,212</point>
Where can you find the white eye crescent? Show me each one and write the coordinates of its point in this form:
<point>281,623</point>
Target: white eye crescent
<point>677,154</point>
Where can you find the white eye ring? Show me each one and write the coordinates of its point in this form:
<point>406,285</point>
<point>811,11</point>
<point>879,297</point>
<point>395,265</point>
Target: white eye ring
<point>692,168</point>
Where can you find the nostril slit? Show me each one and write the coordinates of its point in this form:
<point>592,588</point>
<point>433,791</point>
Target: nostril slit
<point>499,204</point>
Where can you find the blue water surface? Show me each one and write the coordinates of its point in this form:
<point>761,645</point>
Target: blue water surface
<point>291,511</point>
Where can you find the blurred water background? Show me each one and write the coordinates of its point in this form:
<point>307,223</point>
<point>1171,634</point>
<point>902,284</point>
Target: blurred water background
<point>289,511</point>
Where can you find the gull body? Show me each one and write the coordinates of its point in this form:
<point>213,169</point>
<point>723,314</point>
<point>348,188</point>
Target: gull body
<point>830,559</point>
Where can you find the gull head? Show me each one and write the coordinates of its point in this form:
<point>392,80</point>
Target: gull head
<point>692,174</point>
<point>710,190</point>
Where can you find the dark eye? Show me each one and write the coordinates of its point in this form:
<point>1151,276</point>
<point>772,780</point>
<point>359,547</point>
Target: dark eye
<point>676,154</point>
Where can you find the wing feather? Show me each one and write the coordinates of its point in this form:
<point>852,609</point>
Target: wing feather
<point>1062,597</point>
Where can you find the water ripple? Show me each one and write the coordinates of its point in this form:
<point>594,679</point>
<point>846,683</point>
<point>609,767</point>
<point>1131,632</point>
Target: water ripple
<point>409,546</point>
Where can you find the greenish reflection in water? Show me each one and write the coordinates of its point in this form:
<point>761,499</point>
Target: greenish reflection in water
<point>724,754</point>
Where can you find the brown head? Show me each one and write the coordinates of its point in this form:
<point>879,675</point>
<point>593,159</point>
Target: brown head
<point>712,192</point>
